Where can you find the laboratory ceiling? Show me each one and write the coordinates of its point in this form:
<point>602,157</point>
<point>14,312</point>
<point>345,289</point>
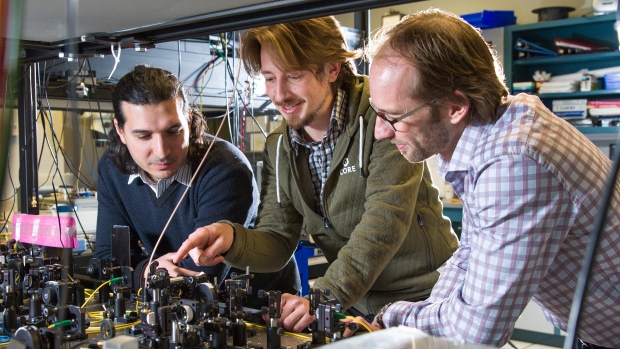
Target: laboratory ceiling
<point>49,27</point>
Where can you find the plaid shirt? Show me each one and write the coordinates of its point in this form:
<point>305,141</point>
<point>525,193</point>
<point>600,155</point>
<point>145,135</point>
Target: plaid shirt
<point>531,187</point>
<point>183,176</point>
<point>322,152</point>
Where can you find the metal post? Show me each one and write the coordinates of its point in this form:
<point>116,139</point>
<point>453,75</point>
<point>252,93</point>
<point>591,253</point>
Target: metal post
<point>27,113</point>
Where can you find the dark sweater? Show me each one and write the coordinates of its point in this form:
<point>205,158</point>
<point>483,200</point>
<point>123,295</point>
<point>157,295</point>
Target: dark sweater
<point>225,188</point>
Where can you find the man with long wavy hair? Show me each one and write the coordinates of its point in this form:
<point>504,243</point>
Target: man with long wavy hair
<point>376,217</point>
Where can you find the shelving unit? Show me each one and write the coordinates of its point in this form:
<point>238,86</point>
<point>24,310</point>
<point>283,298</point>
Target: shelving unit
<point>596,28</point>
<point>599,29</point>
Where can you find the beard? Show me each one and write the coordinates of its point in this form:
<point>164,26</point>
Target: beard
<point>297,120</point>
<point>435,136</point>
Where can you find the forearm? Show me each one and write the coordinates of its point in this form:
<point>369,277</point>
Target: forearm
<point>262,251</point>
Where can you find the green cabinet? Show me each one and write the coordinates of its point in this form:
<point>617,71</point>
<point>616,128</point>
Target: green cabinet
<point>599,28</point>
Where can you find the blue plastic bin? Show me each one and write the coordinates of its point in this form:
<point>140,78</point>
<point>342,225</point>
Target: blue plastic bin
<point>612,81</point>
<point>490,19</point>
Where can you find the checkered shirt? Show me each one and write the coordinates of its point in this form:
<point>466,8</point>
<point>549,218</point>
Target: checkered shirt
<point>183,176</point>
<point>322,152</point>
<point>531,187</point>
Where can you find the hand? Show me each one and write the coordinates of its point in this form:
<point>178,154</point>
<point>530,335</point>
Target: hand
<point>207,244</point>
<point>360,320</point>
<point>166,262</point>
<point>295,313</point>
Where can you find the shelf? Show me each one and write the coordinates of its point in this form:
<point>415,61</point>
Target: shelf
<point>562,22</point>
<point>579,94</point>
<point>561,59</point>
<point>594,28</point>
<point>597,129</point>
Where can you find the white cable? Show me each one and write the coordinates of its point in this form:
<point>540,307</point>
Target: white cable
<point>116,58</point>
<point>361,150</point>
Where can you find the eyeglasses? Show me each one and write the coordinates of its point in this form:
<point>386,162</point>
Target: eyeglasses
<point>390,123</point>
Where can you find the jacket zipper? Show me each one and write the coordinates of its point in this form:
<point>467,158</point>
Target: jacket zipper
<point>429,250</point>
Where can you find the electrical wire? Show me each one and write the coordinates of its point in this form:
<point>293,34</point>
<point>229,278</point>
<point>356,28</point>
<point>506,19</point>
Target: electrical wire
<point>68,82</point>
<point>251,114</point>
<point>83,136</point>
<point>54,148</point>
<point>353,319</point>
<point>205,83</point>
<point>94,292</point>
<point>96,94</point>
<point>117,58</point>
<point>292,334</point>
<point>179,61</point>
<point>8,160</point>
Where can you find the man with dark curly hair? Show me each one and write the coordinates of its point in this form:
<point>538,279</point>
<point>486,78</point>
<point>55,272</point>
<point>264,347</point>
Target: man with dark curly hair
<point>156,147</point>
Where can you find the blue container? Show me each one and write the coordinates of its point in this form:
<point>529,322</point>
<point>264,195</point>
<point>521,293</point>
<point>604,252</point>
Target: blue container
<point>490,19</point>
<point>612,81</point>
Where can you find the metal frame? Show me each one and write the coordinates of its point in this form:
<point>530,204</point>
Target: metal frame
<point>201,25</point>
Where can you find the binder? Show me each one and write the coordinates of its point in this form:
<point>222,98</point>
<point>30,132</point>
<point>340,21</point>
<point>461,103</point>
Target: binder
<point>522,45</point>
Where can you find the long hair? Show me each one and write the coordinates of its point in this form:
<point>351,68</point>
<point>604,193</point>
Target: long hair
<point>449,55</point>
<point>149,86</point>
<point>302,45</point>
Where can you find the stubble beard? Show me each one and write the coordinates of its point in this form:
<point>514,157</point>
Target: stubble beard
<point>436,138</point>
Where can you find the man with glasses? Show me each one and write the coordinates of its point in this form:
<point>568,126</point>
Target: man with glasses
<point>390,121</point>
<point>530,183</point>
<point>376,218</point>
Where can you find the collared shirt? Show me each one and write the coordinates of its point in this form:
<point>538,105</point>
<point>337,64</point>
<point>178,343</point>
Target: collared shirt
<point>530,185</point>
<point>322,152</point>
<point>183,176</point>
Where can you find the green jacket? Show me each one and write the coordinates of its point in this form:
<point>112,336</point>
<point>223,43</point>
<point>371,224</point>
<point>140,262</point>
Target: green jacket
<point>384,234</point>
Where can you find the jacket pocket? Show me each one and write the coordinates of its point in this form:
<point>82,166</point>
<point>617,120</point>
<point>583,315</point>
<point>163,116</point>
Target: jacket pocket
<point>427,245</point>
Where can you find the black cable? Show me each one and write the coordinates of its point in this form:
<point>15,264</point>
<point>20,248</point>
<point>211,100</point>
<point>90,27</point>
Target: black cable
<point>56,148</point>
<point>6,220</point>
<point>80,176</point>
<point>248,110</point>
<point>201,71</point>
<point>40,104</point>
<point>590,254</point>
<point>55,139</point>
<point>69,81</point>
<point>92,76</point>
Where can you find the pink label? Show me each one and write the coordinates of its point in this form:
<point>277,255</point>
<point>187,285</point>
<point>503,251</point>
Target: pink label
<point>52,231</point>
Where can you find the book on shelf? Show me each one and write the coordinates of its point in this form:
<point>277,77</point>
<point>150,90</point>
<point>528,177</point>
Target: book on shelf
<point>572,114</point>
<point>605,103</point>
<point>569,104</point>
<point>582,45</point>
<point>569,107</point>
<point>605,112</point>
<point>527,49</point>
<point>559,86</point>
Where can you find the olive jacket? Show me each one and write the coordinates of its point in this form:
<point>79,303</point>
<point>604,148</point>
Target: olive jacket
<point>383,234</point>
